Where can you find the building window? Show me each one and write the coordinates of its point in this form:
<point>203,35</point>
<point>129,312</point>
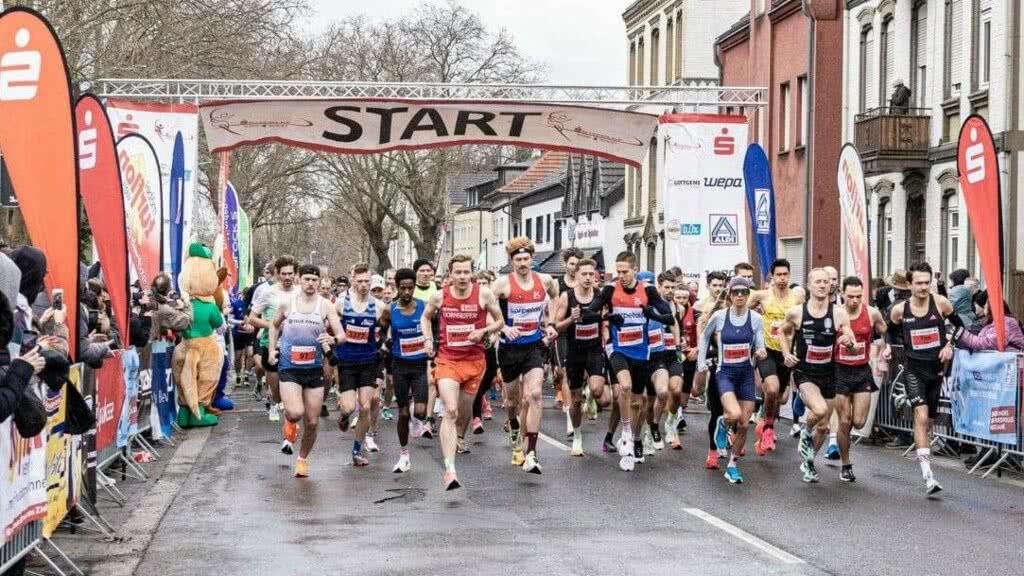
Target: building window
<point>950,238</point>
<point>670,44</point>
<point>640,61</point>
<point>540,230</point>
<point>953,45</point>
<point>655,45</point>
<point>529,228</point>
<point>885,237</point>
<point>652,256</point>
<point>866,71</point>
<point>803,111</point>
<point>629,190</point>
<point>981,29</point>
<point>887,62</point>
<point>679,45</point>
<point>515,230</point>
<point>784,120</point>
<point>919,53</point>
<point>652,176</point>
<point>632,63</point>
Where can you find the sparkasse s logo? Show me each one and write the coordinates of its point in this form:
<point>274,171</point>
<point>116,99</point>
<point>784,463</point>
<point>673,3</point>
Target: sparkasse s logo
<point>724,145</point>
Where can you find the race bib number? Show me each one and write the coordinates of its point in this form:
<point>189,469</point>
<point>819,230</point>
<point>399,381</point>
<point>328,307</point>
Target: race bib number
<point>630,335</point>
<point>526,326</point>
<point>735,353</point>
<point>586,331</point>
<point>858,354</point>
<point>818,354</point>
<point>925,338</point>
<point>654,338</point>
<point>412,346</point>
<point>302,355</point>
<point>670,340</point>
<point>357,334</point>
<point>458,335</point>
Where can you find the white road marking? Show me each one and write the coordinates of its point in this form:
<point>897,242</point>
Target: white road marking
<point>777,553</point>
<point>553,442</point>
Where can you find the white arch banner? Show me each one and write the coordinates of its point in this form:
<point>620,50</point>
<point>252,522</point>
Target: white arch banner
<point>381,125</point>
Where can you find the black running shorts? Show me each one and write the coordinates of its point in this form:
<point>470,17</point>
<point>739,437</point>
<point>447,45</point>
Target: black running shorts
<point>582,364</point>
<point>516,361</point>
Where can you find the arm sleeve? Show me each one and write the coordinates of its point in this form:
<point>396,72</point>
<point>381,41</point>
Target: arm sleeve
<point>601,300</point>
<point>757,325</point>
<point>658,310</point>
<point>705,339</point>
<point>12,386</point>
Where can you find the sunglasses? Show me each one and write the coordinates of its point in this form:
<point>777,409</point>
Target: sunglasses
<point>740,292</point>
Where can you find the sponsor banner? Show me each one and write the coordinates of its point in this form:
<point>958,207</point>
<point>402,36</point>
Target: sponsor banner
<point>175,202</point>
<point>140,180</point>
<point>229,224</point>
<point>38,142</point>
<point>110,399</point>
<point>853,201</point>
<point>163,392</point>
<point>703,192</point>
<point>586,234</point>
<point>979,182</point>
<point>22,479</point>
<point>757,176</point>
<point>984,395</point>
<point>64,457</point>
<point>160,124</point>
<point>244,250</point>
<point>100,183</point>
<point>128,421</point>
<point>380,125</point>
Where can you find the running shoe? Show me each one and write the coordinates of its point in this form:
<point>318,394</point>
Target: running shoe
<point>415,427</point>
<point>846,474</point>
<point>795,430</point>
<point>290,431</point>
<point>460,446</point>
<point>323,411</point>
<point>732,474</point>
<point>287,447</point>
<point>711,462</point>
<point>806,446</point>
<point>648,442</point>
<point>451,482</point>
<point>403,465</point>
<point>721,434</point>
<point>577,446</point>
<point>608,446</point>
<point>932,486</point>
<point>625,444</point>
<point>674,441</point>
<point>659,442</point>
<point>569,429</point>
<point>353,420</point>
<point>832,452</point>
<point>670,423</point>
<point>371,444</point>
<point>768,439</point>
<point>428,431</point>
<point>301,468</point>
<point>359,459</point>
<point>386,413</point>
<point>274,414</point>
<point>759,429</point>
<point>638,452</point>
<point>517,456</point>
<point>344,422</point>
<point>485,409</point>
<point>478,426</point>
<point>627,464</point>
<point>810,474</point>
<point>592,409</point>
<point>531,465</point>
<point>681,425</point>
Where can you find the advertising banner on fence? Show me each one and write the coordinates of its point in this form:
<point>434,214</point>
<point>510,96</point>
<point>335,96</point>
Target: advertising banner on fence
<point>705,205</point>
<point>244,250</point>
<point>160,124</point>
<point>38,139</point>
<point>229,225</point>
<point>854,206</point>
<point>757,177</point>
<point>110,397</point>
<point>100,182</point>
<point>984,395</point>
<point>56,460</point>
<point>140,180</point>
<point>979,182</point>
<point>163,389</point>
<point>380,125</point>
<point>22,478</point>
<point>128,417</point>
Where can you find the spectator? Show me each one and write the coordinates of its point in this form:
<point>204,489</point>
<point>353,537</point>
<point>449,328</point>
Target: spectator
<point>10,280</point>
<point>32,263</point>
<point>985,339</point>
<point>169,313</point>
<point>961,296</point>
<point>14,374</point>
<point>899,103</point>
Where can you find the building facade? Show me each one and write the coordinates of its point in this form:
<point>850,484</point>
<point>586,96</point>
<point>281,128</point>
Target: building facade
<point>594,207</point>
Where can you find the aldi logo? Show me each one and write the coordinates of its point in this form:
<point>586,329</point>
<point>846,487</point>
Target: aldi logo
<point>764,210</point>
<point>724,230</point>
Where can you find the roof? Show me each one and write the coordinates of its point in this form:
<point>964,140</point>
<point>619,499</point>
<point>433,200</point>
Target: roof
<point>556,267</point>
<point>459,183</point>
<point>740,30</point>
<point>550,163</point>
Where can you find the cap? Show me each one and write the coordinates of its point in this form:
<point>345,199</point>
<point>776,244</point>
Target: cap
<point>645,276</point>
<point>376,281</point>
<point>898,280</point>
<point>738,282</point>
<point>343,280</point>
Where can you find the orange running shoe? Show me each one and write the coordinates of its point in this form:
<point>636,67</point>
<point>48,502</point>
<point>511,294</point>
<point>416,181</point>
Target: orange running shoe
<point>301,468</point>
<point>712,461</point>
<point>290,431</point>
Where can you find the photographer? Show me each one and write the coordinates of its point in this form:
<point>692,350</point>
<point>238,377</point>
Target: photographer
<point>168,312</point>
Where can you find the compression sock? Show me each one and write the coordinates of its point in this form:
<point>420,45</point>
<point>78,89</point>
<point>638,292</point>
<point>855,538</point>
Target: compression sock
<point>449,464</point>
<point>833,438</point>
<point>924,458</point>
<point>531,441</point>
<point>357,447</point>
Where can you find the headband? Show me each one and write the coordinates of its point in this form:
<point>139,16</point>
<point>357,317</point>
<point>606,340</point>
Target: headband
<point>523,250</point>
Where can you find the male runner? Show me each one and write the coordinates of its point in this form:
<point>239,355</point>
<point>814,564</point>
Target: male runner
<point>264,306</point>
<point>684,364</point>
<point>775,374</point>
<point>854,379</point>
<point>927,348</point>
<point>832,448</point>
<point>570,259</point>
<point>584,357</point>
<point>817,326</point>
<point>662,339</point>
<point>744,270</point>
<point>425,288</point>
<point>358,357</point>
<point>300,324</point>
<point>525,297</point>
<point>408,359</point>
<point>462,307</point>
<point>630,305</point>
<point>702,310</point>
<point>481,407</point>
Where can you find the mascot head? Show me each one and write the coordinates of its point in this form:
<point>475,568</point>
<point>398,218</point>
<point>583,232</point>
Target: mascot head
<point>198,275</point>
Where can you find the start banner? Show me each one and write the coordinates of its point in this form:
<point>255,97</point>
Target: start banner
<point>380,125</point>
<point>983,393</point>
<point>703,191</point>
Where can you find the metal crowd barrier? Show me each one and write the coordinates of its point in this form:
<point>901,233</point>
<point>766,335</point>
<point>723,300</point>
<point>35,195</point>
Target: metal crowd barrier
<point>889,418</point>
<point>22,543</point>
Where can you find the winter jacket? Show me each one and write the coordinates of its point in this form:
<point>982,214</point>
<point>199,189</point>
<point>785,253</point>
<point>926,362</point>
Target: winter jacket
<point>986,338</point>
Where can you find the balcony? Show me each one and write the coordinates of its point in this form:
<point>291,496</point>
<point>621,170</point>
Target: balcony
<point>892,141</point>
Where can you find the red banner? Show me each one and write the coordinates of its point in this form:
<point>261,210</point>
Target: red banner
<point>100,181</point>
<point>143,205</point>
<point>979,181</point>
<point>110,393</point>
<point>37,137</point>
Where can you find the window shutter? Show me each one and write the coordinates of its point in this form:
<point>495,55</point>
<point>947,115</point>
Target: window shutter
<point>890,59</point>
<point>957,48</point>
<point>871,81</point>
<point>922,37</point>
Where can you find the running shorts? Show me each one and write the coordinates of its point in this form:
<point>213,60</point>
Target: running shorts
<point>775,365</point>
<point>924,383</point>
<point>515,361</point>
<point>306,377</point>
<point>826,384</point>
<point>242,340</point>
<point>265,360</point>
<point>639,372</point>
<point>854,379</point>
<point>739,380</point>
<point>356,376</point>
<point>561,351</point>
<point>468,373</point>
<point>583,364</point>
<point>689,373</point>
<point>410,377</point>
<point>661,361</point>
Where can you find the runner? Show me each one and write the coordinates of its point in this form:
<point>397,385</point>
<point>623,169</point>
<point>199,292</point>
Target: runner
<point>684,371</point>
<point>408,359</point>
<point>854,379</point>
<point>631,304</point>
<point>662,338</point>
<point>264,306</point>
<point>744,270</point>
<point>462,308</point>
<point>526,296</point>
<point>714,401</point>
<point>817,327</point>
<point>481,407</point>
<point>584,357</point>
<point>425,288</point>
<point>298,327</point>
<point>927,348</point>
<point>775,374</point>
<point>570,259</point>
<point>740,336</point>
<point>358,357</point>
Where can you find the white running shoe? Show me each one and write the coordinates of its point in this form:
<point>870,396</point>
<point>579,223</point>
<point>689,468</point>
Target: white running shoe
<point>530,464</point>
<point>577,445</point>
<point>932,486</point>
<point>415,427</point>
<point>670,422</point>
<point>625,445</point>
<point>274,414</point>
<point>794,431</point>
<point>648,443</point>
<point>438,408</point>
<point>403,465</point>
<point>287,447</point>
<point>568,423</point>
<point>371,445</point>
<point>626,463</point>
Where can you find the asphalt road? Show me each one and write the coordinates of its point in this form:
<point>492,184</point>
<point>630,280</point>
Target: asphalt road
<point>241,512</point>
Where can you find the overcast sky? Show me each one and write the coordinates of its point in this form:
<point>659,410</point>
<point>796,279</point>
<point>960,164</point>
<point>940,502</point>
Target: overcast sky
<point>580,41</point>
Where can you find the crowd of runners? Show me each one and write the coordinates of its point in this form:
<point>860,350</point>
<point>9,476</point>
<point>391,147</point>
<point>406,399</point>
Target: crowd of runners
<point>622,342</point>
